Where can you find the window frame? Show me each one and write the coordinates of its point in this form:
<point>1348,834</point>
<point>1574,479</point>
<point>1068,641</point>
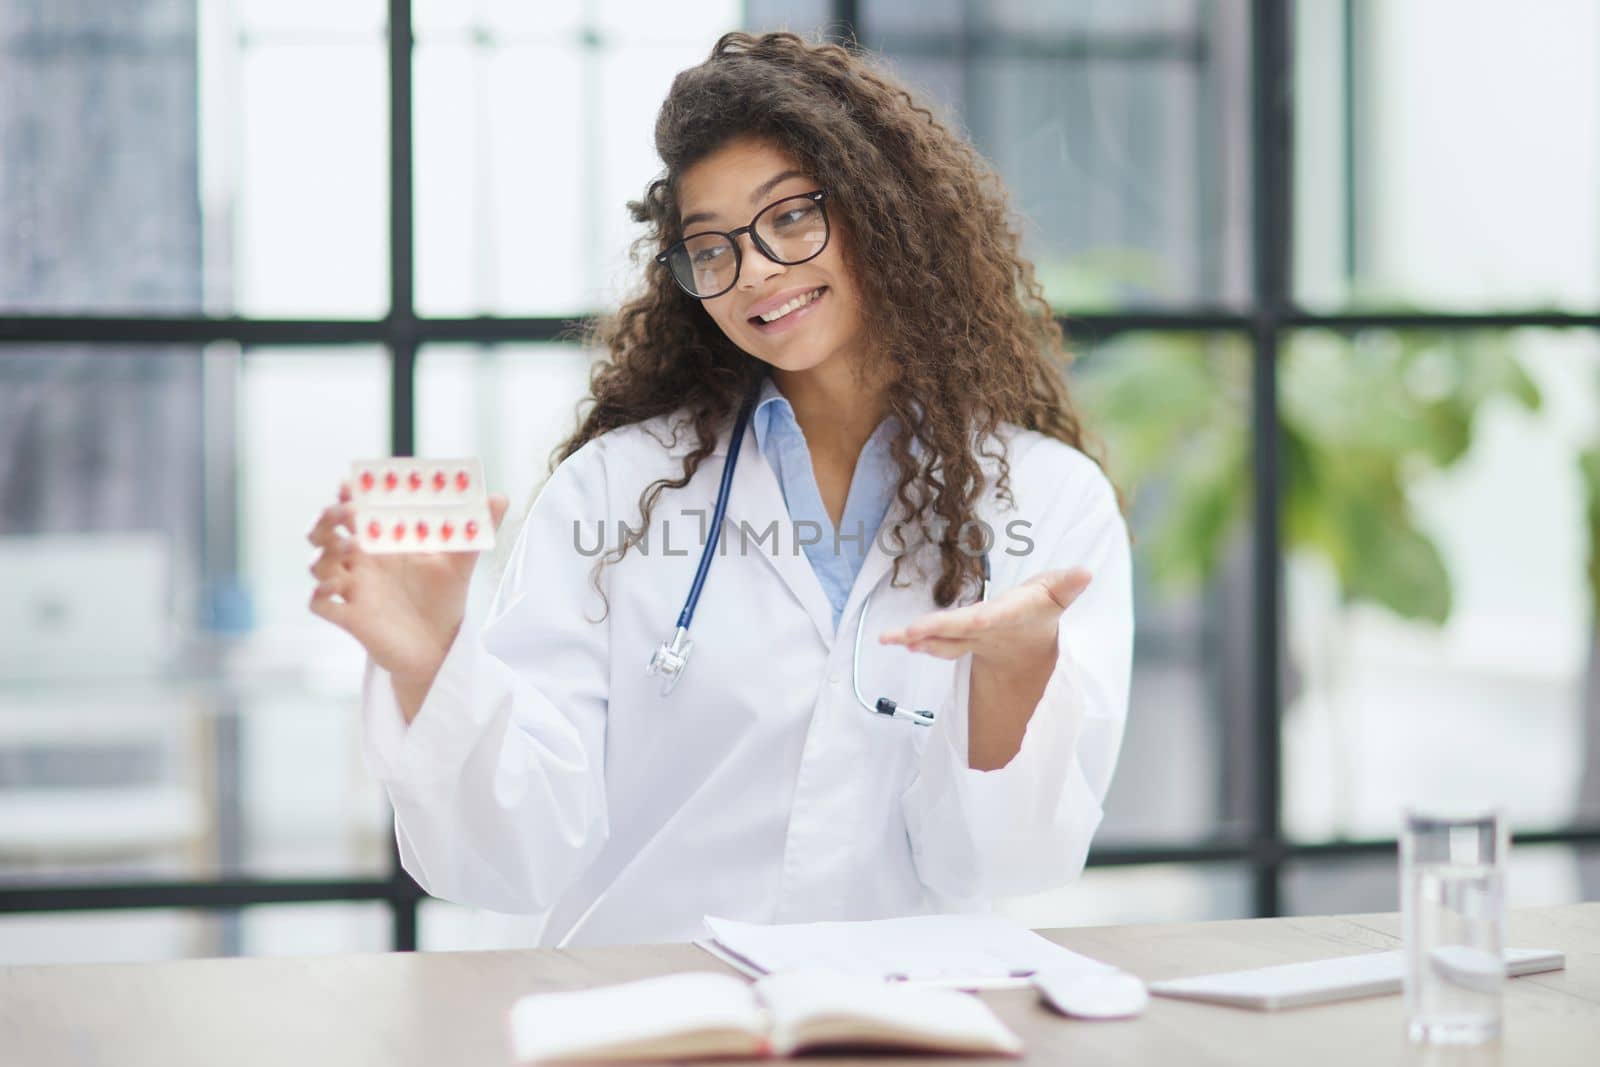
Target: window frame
<point>1270,316</point>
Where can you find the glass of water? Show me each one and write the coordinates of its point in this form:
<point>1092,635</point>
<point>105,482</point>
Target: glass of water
<point>1453,914</point>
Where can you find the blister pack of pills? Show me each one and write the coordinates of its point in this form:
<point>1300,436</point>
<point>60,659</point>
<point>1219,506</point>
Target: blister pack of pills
<point>421,505</point>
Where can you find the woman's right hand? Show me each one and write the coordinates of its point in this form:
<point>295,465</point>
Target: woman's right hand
<point>405,609</point>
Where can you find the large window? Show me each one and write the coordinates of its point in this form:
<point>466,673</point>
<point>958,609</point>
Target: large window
<point>1335,304</point>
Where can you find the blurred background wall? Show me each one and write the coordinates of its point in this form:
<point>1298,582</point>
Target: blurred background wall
<point>1351,244</point>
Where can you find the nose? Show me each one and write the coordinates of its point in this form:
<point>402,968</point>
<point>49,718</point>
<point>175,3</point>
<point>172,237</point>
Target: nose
<point>754,267</point>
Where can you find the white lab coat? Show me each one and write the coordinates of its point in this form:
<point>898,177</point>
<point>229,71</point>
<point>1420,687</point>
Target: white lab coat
<point>546,774</point>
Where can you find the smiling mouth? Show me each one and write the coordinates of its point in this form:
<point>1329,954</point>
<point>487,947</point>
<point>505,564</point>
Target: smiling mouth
<point>777,315</point>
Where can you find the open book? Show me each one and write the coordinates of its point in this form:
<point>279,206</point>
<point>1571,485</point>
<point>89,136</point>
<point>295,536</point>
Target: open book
<point>697,1015</point>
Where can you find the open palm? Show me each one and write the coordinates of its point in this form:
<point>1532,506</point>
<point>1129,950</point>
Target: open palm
<point>405,609</point>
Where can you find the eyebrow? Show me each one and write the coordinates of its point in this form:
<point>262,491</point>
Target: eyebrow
<point>760,192</point>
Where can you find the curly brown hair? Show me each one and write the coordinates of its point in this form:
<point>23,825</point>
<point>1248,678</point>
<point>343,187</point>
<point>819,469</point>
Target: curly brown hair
<point>966,337</point>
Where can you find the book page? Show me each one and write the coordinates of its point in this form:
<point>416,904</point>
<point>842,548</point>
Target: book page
<point>677,1015</point>
<point>820,1009</point>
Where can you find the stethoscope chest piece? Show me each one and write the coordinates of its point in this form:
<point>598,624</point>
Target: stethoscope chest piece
<point>670,658</point>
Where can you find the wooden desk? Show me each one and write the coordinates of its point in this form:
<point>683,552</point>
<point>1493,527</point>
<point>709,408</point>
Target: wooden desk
<point>449,1008</point>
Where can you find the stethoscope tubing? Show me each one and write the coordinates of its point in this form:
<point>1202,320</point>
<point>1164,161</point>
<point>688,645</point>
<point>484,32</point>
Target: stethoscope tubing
<point>709,552</point>
<point>672,657</point>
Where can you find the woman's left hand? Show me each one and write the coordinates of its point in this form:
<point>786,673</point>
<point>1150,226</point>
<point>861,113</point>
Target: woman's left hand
<point>1017,628</point>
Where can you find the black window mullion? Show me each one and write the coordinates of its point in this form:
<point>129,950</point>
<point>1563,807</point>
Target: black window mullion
<point>846,21</point>
<point>401,334</point>
<point>1270,168</point>
<point>401,323</point>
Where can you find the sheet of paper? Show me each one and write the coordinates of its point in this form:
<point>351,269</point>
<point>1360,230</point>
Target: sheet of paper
<point>966,951</point>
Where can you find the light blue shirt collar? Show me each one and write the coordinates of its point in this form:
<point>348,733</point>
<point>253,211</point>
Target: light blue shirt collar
<point>768,401</point>
<point>762,418</point>
<point>837,556</point>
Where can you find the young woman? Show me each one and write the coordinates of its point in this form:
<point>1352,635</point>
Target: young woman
<point>831,414</point>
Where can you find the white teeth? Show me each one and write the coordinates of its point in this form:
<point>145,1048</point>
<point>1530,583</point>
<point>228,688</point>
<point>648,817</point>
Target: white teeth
<point>798,302</point>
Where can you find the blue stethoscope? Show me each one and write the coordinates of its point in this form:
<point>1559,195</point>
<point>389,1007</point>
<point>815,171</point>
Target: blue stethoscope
<point>672,656</point>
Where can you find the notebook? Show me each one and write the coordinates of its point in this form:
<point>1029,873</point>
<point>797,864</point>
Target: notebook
<point>696,1016</point>
<point>1293,985</point>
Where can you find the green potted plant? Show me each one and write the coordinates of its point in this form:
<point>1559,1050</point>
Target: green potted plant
<point>1361,419</point>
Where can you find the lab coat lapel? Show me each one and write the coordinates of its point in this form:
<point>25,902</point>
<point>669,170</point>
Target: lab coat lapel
<point>878,562</point>
<point>757,500</point>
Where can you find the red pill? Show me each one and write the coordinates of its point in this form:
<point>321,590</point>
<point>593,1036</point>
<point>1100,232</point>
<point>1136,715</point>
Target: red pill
<point>374,531</point>
<point>414,480</point>
<point>367,481</point>
<point>462,481</point>
<point>439,481</point>
<point>390,480</point>
<point>471,529</point>
<point>422,530</point>
<point>399,530</point>
<point>447,531</point>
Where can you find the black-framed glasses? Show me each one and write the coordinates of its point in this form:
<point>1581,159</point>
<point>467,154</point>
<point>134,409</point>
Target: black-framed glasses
<point>787,231</point>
